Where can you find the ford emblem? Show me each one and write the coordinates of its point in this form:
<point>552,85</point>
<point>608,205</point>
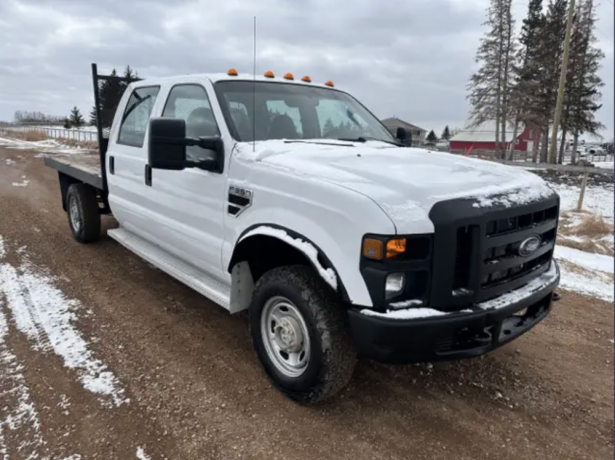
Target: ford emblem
<point>529,245</point>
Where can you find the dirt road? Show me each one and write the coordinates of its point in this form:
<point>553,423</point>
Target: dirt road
<point>130,364</point>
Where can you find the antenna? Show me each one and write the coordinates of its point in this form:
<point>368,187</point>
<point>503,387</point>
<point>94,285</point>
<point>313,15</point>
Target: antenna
<point>254,94</point>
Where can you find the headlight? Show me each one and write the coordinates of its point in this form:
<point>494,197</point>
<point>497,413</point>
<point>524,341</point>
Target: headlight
<point>394,284</point>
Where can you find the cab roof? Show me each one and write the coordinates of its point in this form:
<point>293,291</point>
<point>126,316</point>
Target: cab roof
<point>216,77</point>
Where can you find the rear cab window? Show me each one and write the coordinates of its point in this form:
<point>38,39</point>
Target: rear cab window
<point>136,116</point>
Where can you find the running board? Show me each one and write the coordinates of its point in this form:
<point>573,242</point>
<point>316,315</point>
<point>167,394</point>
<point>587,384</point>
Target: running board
<point>187,274</point>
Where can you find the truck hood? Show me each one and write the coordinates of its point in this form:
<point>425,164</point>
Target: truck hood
<point>404,182</point>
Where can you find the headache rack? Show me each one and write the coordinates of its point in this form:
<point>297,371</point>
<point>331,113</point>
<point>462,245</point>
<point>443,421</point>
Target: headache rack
<point>108,91</point>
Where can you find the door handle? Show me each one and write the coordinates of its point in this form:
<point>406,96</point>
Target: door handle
<point>148,175</point>
<point>111,165</point>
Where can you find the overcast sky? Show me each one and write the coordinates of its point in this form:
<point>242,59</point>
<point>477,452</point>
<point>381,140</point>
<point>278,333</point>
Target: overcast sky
<point>404,58</point>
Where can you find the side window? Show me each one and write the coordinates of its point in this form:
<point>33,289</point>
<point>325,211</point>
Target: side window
<point>279,128</point>
<point>190,103</point>
<point>136,116</point>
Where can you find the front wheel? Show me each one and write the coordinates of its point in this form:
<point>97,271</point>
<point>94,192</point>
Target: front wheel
<point>300,333</point>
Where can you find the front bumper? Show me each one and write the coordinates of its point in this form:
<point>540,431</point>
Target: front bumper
<point>451,336</point>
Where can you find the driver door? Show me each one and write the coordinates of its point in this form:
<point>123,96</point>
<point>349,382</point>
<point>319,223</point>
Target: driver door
<point>191,202</point>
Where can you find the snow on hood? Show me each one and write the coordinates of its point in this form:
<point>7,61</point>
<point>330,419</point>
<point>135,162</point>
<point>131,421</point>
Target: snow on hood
<point>404,182</point>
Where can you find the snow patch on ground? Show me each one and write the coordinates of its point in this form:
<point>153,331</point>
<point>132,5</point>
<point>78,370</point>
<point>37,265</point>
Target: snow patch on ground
<point>44,314</point>
<point>310,251</point>
<point>2,248</point>
<point>45,148</point>
<point>23,183</point>
<point>141,454</point>
<point>584,259</point>
<point>597,200</point>
<point>591,283</point>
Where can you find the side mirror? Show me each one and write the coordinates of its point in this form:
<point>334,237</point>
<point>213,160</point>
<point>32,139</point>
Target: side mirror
<point>167,144</point>
<point>404,136</point>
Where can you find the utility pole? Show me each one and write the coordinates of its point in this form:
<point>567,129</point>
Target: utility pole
<point>562,85</point>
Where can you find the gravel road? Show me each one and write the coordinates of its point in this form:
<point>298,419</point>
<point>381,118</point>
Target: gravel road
<point>188,384</point>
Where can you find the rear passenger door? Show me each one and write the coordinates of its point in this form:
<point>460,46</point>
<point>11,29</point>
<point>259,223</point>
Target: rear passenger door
<point>189,204</point>
<point>127,158</point>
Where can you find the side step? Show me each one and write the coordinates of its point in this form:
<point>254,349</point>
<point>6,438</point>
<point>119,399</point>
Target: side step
<point>187,274</point>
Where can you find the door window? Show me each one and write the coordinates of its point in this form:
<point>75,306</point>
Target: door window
<point>191,104</point>
<point>136,116</point>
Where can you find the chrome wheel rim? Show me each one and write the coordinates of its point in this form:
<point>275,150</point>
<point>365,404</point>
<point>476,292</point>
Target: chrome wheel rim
<point>285,336</point>
<point>73,212</point>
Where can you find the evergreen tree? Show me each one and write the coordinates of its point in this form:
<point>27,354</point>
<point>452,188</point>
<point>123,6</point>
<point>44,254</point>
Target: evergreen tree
<point>583,95</point>
<point>431,137</point>
<point>92,120</point>
<point>66,123</point>
<point>446,134</point>
<point>489,87</point>
<point>528,68</point>
<point>76,119</point>
<point>551,49</point>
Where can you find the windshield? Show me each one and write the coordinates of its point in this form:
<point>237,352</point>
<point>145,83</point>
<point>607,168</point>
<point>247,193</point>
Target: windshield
<point>291,111</point>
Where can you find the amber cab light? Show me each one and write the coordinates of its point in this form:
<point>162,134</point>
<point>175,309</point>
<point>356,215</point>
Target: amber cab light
<point>396,247</point>
<point>289,76</point>
<point>306,79</point>
<point>269,74</point>
<point>329,83</point>
<point>372,249</point>
<point>232,73</point>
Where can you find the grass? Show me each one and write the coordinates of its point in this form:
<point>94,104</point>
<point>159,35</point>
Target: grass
<point>33,135</point>
<point>587,234</point>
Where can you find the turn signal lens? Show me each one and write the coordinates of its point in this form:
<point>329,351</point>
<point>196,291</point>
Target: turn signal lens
<point>232,73</point>
<point>372,249</point>
<point>396,247</point>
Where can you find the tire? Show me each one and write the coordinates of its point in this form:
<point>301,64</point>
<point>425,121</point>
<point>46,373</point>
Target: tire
<point>83,213</point>
<point>331,356</point>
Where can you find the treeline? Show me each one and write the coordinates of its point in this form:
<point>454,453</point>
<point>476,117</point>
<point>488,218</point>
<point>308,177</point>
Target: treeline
<point>25,116</point>
<point>518,76</point>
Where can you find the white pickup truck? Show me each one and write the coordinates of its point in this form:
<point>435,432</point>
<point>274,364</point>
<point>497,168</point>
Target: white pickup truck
<point>291,200</point>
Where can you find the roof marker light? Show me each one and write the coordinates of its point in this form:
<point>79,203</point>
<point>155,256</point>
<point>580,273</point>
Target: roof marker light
<point>269,74</point>
<point>232,73</point>
<point>289,76</point>
<point>306,79</point>
<point>329,83</point>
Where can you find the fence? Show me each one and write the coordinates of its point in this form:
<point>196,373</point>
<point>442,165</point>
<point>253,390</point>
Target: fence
<point>527,157</point>
<point>58,132</point>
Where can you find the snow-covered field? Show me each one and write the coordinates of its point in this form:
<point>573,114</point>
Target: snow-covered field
<point>43,148</point>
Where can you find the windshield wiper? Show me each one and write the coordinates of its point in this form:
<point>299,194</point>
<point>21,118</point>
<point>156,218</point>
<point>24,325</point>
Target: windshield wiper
<point>364,139</point>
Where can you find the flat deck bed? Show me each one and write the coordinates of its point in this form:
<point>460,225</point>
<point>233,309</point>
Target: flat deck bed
<point>82,166</point>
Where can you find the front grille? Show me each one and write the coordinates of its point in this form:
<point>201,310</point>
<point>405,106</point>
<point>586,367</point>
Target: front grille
<point>477,252</point>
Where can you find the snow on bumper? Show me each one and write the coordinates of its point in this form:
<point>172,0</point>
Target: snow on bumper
<point>423,334</point>
<point>503,301</point>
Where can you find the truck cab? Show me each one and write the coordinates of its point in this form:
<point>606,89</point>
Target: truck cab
<point>289,199</point>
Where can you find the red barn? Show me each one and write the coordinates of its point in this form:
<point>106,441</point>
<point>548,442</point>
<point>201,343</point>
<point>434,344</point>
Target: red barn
<point>482,137</point>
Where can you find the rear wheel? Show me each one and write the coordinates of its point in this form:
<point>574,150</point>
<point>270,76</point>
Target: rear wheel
<point>300,333</point>
<point>83,213</point>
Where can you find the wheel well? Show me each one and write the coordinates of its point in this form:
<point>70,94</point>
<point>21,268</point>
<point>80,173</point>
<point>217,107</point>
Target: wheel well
<point>264,253</point>
<point>65,182</point>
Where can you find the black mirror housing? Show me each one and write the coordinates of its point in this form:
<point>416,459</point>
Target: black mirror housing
<point>167,143</point>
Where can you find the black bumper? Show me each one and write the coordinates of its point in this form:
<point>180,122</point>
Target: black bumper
<point>448,337</point>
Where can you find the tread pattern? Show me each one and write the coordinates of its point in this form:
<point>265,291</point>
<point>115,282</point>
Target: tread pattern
<point>89,212</point>
<point>331,325</point>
